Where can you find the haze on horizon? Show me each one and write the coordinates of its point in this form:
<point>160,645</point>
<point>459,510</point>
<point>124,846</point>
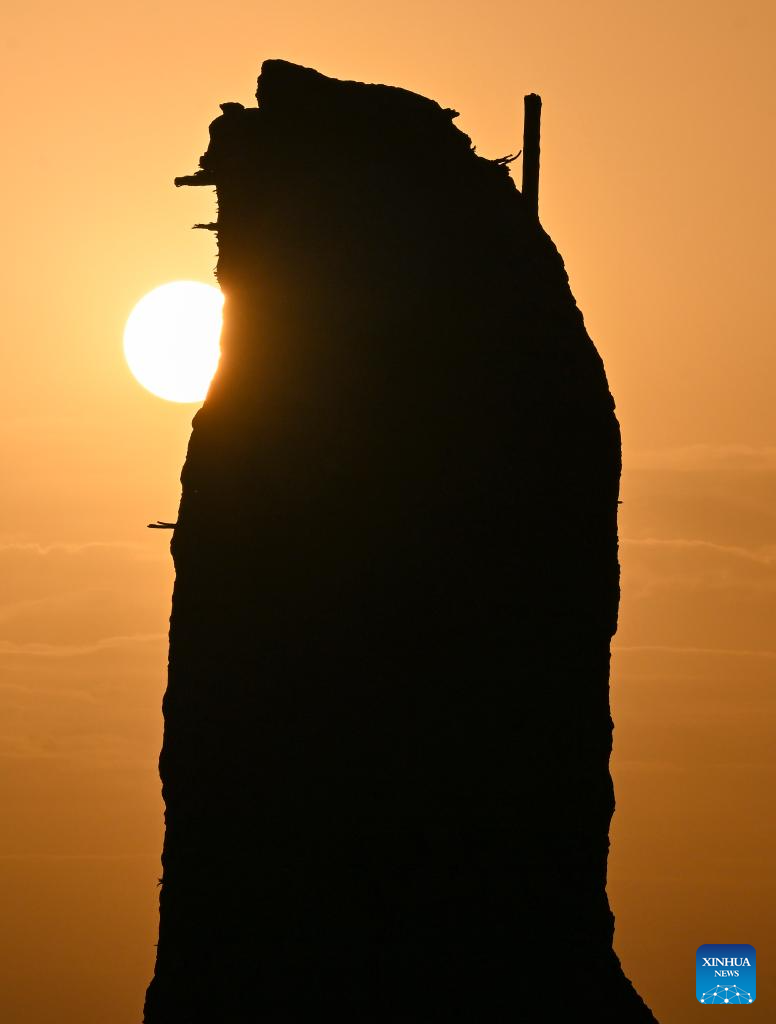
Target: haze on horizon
<point>657,150</point>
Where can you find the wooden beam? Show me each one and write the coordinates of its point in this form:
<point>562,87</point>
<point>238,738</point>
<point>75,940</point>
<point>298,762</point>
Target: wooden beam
<point>531,131</point>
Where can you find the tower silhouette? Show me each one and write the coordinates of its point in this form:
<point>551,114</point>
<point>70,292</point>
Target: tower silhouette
<point>387,728</point>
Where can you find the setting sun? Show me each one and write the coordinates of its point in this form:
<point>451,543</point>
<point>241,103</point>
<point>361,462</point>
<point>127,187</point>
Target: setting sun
<point>171,340</point>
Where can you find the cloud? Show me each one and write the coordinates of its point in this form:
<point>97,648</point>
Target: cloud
<point>70,548</point>
<point>704,652</point>
<point>704,457</point>
<point>63,596</point>
<point>722,496</point>
<point>83,638</point>
<point>45,650</point>
<point>761,555</point>
<point>703,573</point>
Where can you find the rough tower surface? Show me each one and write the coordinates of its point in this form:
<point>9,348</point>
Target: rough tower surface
<point>387,729</point>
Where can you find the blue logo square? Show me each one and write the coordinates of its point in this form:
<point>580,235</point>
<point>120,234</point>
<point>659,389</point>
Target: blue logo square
<point>725,974</point>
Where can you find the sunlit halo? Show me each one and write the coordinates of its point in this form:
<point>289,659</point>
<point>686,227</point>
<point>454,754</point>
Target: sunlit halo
<point>171,340</point>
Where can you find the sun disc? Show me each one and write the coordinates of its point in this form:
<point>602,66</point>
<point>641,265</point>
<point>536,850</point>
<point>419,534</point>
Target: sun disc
<point>172,340</point>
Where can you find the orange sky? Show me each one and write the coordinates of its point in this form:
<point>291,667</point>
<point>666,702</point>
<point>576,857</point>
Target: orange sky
<point>657,159</point>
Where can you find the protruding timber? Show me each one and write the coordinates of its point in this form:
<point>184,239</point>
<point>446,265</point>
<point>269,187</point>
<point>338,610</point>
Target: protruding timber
<point>531,131</point>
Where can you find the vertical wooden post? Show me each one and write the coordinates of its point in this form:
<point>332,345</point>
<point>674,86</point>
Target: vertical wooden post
<point>531,130</point>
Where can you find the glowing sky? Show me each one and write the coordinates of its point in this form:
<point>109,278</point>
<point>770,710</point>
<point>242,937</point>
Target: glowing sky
<point>657,165</point>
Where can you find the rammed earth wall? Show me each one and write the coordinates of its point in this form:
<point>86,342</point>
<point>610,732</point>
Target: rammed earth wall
<point>387,729</point>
